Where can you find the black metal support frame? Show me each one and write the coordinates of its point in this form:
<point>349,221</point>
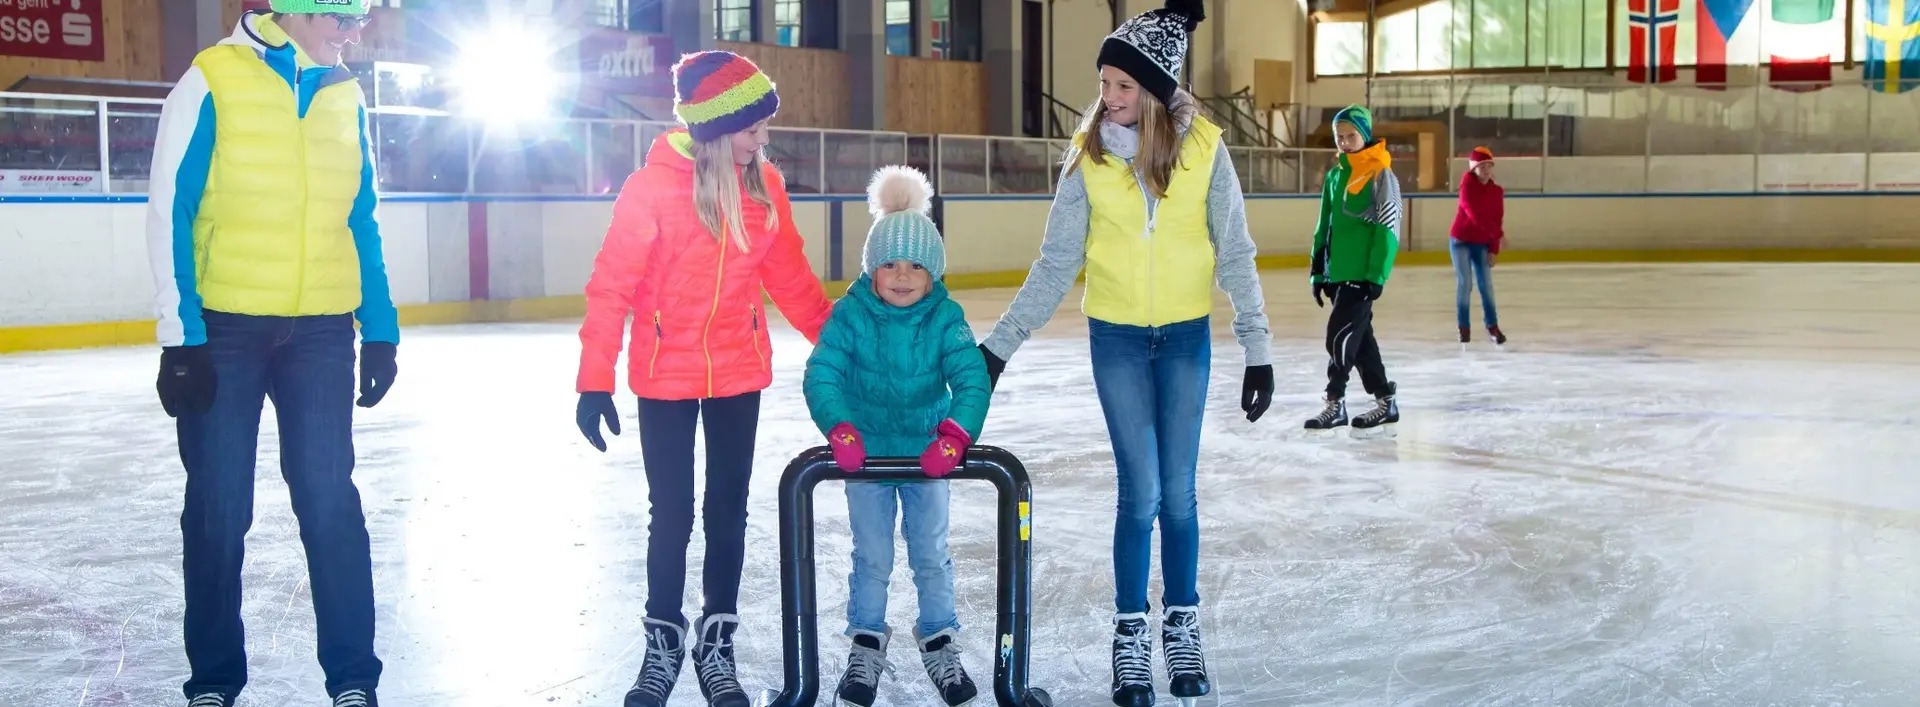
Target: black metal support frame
<point>799,642</point>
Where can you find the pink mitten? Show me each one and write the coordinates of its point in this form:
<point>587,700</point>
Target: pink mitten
<point>948,448</point>
<point>849,450</point>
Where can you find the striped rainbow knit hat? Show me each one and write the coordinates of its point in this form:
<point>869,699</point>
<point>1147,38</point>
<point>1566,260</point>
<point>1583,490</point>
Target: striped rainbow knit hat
<point>718,93</point>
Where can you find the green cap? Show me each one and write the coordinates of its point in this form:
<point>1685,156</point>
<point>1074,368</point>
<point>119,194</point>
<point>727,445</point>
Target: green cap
<point>320,7</point>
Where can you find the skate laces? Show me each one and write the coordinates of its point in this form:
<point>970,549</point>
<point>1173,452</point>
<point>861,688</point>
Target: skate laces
<point>868,665</point>
<point>1181,633</point>
<point>657,674</point>
<point>943,664</point>
<point>1380,407</point>
<point>1331,413</point>
<point>716,671</point>
<point>1133,654</point>
<point>350,698</point>
<point>211,699</point>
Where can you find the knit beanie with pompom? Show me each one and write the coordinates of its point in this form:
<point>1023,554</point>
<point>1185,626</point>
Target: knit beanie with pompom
<point>900,199</point>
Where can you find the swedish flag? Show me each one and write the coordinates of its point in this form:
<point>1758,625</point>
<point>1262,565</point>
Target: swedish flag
<point>1893,45</point>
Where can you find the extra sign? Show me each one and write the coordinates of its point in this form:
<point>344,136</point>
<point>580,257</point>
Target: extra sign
<point>52,29</point>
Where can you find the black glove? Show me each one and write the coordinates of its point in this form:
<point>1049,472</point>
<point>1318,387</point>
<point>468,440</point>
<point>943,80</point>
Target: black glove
<point>1322,290</point>
<point>994,367</point>
<point>1256,393</point>
<point>187,383</point>
<point>1372,289</point>
<point>594,406</point>
<point>377,369</point>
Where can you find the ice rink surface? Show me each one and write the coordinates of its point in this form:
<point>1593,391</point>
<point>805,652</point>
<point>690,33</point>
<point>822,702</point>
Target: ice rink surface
<point>1678,485</point>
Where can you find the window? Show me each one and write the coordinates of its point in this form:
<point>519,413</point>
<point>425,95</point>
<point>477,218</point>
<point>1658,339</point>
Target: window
<point>786,22</point>
<point>1469,34</point>
<point>942,28</point>
<point>900,35</point>
<point>733,20</point>
<point>609,13</point>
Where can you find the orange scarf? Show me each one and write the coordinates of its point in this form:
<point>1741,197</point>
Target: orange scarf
<point>1362,166</point>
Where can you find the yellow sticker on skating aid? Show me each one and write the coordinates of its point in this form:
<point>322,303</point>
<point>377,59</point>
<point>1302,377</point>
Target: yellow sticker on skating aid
<point>1026,524</point>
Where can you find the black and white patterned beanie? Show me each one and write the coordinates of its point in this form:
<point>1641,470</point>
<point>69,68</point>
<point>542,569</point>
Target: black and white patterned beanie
<point>1152,46</point>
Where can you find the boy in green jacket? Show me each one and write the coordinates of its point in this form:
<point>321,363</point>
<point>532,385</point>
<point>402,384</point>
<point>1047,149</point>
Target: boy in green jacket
<point>897,373</point>
<point>1354,243</point>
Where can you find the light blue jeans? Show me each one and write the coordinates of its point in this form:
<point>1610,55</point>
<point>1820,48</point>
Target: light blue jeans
<point>1152,383</point>
<point>921,508</point>
<point>1471,269</point>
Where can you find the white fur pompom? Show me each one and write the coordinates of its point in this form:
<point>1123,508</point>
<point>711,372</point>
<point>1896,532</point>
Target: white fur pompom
<point>896,188</point>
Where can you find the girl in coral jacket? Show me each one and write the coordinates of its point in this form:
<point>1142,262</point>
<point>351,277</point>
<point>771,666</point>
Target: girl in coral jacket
<point>896,374</point>
<point>1150,205</point>
<point>697,234</point>
<point>1477,236</point>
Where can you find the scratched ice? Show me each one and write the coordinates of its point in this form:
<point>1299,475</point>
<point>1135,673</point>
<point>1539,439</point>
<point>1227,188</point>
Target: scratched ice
<point>1679,485</point>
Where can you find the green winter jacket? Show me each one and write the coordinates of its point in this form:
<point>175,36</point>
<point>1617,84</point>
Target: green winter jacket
<point>1357,235</point>
<point>888,370</point>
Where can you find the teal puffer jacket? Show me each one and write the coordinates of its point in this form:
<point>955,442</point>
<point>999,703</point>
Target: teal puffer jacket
<point>896,372</point>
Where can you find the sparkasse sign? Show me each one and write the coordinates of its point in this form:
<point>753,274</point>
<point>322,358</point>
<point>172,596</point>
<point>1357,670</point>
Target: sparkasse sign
<point>52,29</point>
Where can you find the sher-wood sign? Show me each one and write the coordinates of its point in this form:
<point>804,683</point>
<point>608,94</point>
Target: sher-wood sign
<point>52,29</point>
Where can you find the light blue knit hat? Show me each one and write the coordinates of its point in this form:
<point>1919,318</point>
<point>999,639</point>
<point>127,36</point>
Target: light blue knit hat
<point>899,199</point>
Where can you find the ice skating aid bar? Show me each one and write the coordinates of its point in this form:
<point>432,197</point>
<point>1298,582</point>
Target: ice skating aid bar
<point>799,641</point>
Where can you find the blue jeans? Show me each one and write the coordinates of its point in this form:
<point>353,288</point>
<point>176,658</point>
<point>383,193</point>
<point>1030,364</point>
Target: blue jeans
<point>921,507</point>
<point>306,365</point>
<point>1470,261</point>
<point>1152,383</point>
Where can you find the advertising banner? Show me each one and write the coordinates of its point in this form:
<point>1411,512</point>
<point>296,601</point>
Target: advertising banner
<point>49,181</point>
<point>52,29</point>
<point>627,63</point>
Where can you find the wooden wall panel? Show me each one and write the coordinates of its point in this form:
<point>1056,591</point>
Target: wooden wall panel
<point>936,96</point>
<point>132,32</point>
<point>812,83</point>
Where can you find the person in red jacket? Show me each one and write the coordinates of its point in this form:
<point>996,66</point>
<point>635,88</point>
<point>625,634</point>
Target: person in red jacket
<point>1477,237</point>
<point>697,234</point>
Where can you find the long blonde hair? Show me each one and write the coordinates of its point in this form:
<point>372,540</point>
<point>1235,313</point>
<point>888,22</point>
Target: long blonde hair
<point>716,189</point>
<point>1159,138</point>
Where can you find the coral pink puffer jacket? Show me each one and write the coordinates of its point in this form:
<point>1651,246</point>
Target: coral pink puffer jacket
<point>699,328</point>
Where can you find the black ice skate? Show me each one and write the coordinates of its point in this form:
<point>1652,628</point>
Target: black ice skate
<point>941,657</point>
<point>865,666</point>
<point>1379,421</point>
<point>666,651</point>
<point>1186,663</point>
<point>1132,661</point>
<point>356,698</point>
<point>1331,418</point>
<point>210,699</point>
<point>713,661</point>
<point>1499,339</point>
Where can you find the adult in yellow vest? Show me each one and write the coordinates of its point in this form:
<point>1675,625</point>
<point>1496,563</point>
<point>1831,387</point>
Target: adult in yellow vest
<point>1150,205</point>
<point>265,252</point>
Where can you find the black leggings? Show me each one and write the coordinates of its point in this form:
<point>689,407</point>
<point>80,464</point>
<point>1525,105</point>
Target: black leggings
<point>1350,343</point>
<point>666,446</point>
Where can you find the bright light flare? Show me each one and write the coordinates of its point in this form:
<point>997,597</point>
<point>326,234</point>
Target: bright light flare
<point>505,74</point>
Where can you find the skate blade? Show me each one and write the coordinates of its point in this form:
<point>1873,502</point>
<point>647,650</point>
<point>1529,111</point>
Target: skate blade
<point>1378,432</point>
<point>1329,433</point>
<point>1187,701</point>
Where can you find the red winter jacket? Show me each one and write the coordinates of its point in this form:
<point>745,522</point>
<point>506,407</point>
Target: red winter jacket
<point>1483,208</point>
<point>698,326</point>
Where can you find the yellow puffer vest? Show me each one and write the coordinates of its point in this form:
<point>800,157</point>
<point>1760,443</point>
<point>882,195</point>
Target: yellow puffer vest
<point>272,238</point>
<point>1151,275</point>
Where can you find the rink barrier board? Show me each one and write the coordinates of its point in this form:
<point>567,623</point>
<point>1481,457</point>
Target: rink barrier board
<point>448,267</point>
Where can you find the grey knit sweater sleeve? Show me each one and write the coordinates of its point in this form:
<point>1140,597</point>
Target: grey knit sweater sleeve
<point>1233,252</point>
<point>1063,251</point>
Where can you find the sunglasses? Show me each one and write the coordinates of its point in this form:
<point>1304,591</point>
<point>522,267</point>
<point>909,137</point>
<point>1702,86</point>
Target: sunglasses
<point>349,23</point>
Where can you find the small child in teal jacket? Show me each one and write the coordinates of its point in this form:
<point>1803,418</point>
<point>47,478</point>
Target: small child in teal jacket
<point>896,374</point>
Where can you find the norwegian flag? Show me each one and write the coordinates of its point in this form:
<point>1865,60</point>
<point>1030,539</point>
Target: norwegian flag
<point>1652,38</point>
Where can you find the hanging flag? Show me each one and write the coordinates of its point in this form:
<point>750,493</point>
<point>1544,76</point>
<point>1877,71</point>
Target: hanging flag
<point>1800,41</point>
<point>1893,45</point>
<point>1714,23</point>
<point>1653,25</point>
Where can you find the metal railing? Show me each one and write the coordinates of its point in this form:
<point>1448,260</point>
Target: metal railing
<point>970,165</point>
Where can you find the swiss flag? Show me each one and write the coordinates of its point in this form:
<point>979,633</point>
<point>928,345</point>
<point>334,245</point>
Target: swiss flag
<point>1654,25</point>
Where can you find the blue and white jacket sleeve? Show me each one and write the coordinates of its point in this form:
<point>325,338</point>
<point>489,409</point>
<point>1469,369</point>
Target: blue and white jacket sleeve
<point>379,321</point>
<point>182,156</point>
